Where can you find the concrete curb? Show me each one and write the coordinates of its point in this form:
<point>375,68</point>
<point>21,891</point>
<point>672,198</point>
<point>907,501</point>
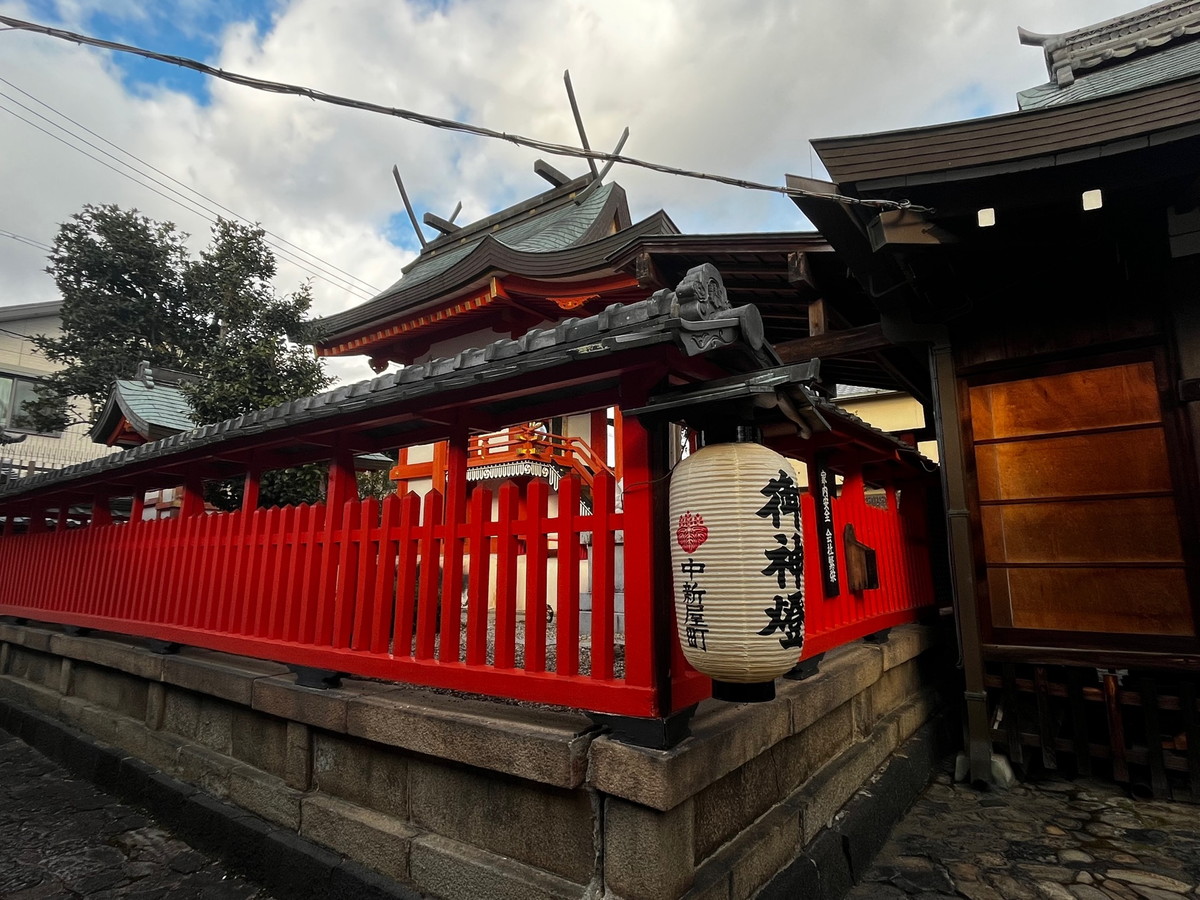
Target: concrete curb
<point>279,860</point>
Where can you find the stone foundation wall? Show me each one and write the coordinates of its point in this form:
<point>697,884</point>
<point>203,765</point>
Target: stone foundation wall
<point>467,798</point>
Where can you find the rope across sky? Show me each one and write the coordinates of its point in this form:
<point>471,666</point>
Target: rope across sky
<point>277,87</point>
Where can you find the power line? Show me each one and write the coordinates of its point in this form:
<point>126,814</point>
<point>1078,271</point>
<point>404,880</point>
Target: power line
<point>187,203</point>
<point>277,87</point>
<point>182,184</point>
<point>25,240</point>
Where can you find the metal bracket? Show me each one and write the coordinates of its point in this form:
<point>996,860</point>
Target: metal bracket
<point>321,679</point>
<point>657,734</point>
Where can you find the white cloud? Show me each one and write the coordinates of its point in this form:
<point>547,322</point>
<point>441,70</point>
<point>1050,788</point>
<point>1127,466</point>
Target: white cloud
<point>733,88</point>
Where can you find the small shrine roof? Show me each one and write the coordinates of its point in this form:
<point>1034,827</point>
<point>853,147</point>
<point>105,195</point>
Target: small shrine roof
<point>555,231</point>
<point>151,402</point>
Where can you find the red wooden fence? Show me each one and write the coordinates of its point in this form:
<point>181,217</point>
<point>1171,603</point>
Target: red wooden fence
<point>408,591</point>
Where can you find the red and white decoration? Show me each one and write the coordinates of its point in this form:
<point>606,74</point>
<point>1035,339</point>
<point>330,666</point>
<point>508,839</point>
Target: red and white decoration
<point>738,562</point>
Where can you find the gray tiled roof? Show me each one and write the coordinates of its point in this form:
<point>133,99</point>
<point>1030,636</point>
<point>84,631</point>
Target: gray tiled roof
<point>1165,65</point>
<point>655,321</point>
<point>555,230</point>
<point>163,405</point>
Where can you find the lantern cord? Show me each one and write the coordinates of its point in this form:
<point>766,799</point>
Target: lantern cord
<point>277,87</point>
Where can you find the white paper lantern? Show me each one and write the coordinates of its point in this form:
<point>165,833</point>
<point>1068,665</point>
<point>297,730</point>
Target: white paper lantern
<point>737,560</point>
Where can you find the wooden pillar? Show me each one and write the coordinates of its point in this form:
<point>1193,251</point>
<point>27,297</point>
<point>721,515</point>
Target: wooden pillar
<point>437,471</point>
<point>250,489</point>
<point>619,442</point>
<point>37,519</point>
<point>138,508</point>
<point>101,514</point>
<point>455,481</point>
<point>342,485</point>
<point>598,438</point>
<point>401,460</point>
<point>192,502</point>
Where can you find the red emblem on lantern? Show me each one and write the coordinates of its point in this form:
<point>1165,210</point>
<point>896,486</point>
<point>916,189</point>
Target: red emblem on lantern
<point>692,532</point>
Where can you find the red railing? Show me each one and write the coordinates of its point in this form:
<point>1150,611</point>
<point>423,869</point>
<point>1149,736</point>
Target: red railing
<point>350,588</point>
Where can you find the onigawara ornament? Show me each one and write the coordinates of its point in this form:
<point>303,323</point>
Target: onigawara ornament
<point>737,560</point>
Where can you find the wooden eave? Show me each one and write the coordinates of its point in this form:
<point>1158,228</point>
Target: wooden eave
<point>490,257</point>
<point>1017,141</point>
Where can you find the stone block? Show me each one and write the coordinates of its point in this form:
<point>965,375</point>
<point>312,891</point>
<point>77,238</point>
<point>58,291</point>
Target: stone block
<point>724,808</point>
<point>647,853</point>
<point>111,653</point>
<point>156,705</point>
<point>894,689</point>
<point>845,672</point>
<point>158,748</point>
<point>29,693</point>
<point>763,849</point>
<point>97,721</point>
<point>200,718</point>
<point>446,868</point>
<point>204,768</point>
<point>916,712</point>
<point>265,795</point>
<point>5,650</point>
<point>34,666</point>
<point>539,745</point>
<point>116,691</point>
<point>299,756</point>
<point>363,772</point>
<point>29,636</point>
<point>280,696</point>
<point>64,677</point>
<point>829,789</point>
<point>354,881</point>
<point>218,674</point>
<point>260,740</point>
<point>374,839</point>
<point>548,827</point>
<point>833,866</point>
<point>906,642</point>
<point>724,737</point>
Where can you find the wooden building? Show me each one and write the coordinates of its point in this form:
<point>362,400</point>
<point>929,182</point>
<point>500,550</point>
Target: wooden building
<point>1048,269</point>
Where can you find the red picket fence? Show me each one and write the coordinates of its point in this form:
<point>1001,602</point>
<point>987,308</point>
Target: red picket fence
<point>407,591</point>
<point>350,590</point>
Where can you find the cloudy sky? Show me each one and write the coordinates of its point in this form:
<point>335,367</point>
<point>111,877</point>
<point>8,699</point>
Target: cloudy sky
<point>737,88</point>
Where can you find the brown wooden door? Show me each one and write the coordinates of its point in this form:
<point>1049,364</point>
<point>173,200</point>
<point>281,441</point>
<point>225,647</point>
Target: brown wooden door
<point>1076,504</point>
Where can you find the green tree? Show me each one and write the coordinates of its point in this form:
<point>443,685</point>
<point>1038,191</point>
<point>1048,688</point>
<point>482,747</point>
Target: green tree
<point>131,292</point>
<point>121,279</point>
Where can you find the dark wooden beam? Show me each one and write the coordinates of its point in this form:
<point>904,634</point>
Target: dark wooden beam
<point>442,225</point>
<point>799,273</point>
<point>823,318</point>
<point>551,174</point>
<point>852,341</point>
<point>646,272</point>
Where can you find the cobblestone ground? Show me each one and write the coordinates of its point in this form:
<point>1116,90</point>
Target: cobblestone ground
<point>61,837</point>
<point>1054,840</point>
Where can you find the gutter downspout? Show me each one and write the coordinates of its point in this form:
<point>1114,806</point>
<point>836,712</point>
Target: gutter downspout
<point>899,328</point>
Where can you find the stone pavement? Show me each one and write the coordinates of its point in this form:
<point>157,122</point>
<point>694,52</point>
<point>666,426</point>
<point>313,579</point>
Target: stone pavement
<point>1050,840</point>
<point>62,837</point>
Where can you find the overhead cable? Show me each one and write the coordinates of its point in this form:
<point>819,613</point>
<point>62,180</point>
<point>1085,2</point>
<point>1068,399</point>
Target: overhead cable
<point>277,87</point>
<point>184,185</point>
<point>192,206</point>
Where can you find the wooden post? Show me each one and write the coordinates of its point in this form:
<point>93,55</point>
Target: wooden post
<point>455,475</point>
<point>101,514</point>
<point>192,503</point>
<point>342,485</point>
<point>137,509</point>
<point>598,438</point>
<point>250,489</point>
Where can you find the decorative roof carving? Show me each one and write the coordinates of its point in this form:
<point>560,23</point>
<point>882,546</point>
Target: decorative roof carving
<point>1071,54</point>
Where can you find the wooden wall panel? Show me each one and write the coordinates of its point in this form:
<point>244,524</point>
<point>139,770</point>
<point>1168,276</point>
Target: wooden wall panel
<point>1122,462</point>
<point>1102,599</point>
<point>1066,402</point>
<point>1136,529</point>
